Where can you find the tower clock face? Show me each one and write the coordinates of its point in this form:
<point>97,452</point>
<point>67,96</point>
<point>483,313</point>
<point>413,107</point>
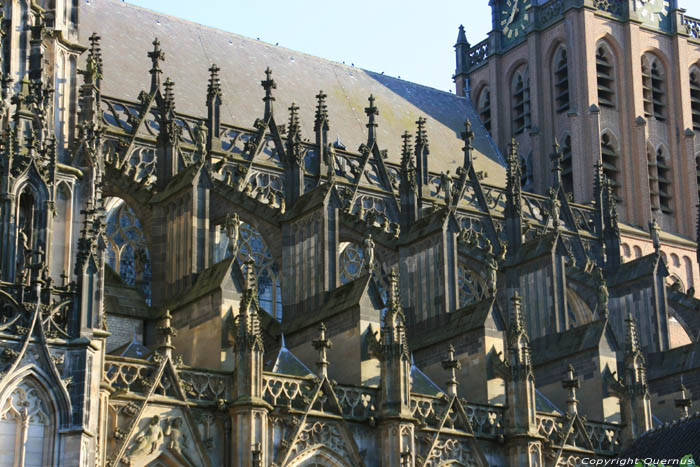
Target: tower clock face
<point>654,13</point>
<point>514,18</point>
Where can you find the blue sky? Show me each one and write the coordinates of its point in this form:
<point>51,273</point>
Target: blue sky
<point>407,38</point>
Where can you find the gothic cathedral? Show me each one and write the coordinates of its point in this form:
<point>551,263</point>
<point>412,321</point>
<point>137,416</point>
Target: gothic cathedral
<point>219,252</point>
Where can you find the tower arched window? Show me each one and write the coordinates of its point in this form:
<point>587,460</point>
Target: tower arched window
<point>652,170</point>
<point>611,163</point>
<point>653,87</point>
<point>520,102</point>
<point>695,97</point>
<point>561,80</point>
<point>484,105</point>
<point>605,76</point>
<point>663,165</point>
<point>567,169</point>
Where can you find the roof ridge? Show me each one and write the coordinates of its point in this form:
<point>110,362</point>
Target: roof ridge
<point>672,423</point>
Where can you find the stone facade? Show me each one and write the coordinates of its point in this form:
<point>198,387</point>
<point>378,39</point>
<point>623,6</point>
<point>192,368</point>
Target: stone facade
<point>178,288</point>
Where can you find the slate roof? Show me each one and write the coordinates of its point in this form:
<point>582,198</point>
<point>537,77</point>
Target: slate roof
<point>553,347</point>
<point>450,325</point>
<point>672,440</point>
<point>123,299</point>
<point>209,280</point>
<point>632,270</point>
<point>127,32</point>
<point>678,360</point>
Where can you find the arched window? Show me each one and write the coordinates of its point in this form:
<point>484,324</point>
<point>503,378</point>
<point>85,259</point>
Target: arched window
<point>606,77</point>
<point>520,100</point>
<point>484,105</point>
<point>251,245</point>
<point>127,250</point>
<point>652,170</point>
<point>695,97</point>
<point>351,264</point>
<point>561,80</point>
<point>27,427</point>
<point>688,265</point>
<point>663,164</point>
<point>61,235</point>
<point>567,174</point>
<point>472,288</point>
<point>653,87</point>
<point>610,157</point>
<point>637,251</point>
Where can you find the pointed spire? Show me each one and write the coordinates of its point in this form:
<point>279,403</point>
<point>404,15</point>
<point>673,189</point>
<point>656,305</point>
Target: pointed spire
<point>571,384</point>
<point>371,111</point>
<point>518,341</point>
<point>462,36</point>
<point>468,138</point>
<point>169,97</point>
<point>214,86</point>
<point>394,302</point>
<point>322,345</point>
<point>462,54</point>
<point>452,365</point>
<point>321,117</point>
<point>167,332</point>
<point>293,127</point>
<point>631,337</point>
<point>156,56</point>
<point>268,85</point>
<point>407,162</point>
<point>251,281</point>
<point>422,150</point>
<point>685,402</point>
<point>92,74</point>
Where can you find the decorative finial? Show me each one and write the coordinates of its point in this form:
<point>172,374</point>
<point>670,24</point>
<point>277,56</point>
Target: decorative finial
<point>321,120</point>
<point>371,111</point>
<point>452,365</point>
<point>421,134</point>
<point>322,345</point>
<point>167,333</point>
<point>268,85</point>
<point>685,402</point>
<point>406,152</point>
<point>156,56</point>
<point>571,384</point>
<point>214,87</point>
<point>468,138</point>
<point>251,281</point>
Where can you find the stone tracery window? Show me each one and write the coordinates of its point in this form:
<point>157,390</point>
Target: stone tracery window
<point>471,286</point>
<point>127,250</point>
<point>351,264</point>
<point>27,424</point>
<point>251,245</point>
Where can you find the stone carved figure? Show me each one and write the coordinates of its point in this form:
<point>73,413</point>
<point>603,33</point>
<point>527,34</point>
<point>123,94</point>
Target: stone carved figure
<point>369,253</point>
<point>446,184</point>
<point>178,439</point>
<point>201,138</point>
<point>492,272</point>
<point>232,226</point>
<point>147,442</point>
<point>603,294</point>
<point>331,162</point>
